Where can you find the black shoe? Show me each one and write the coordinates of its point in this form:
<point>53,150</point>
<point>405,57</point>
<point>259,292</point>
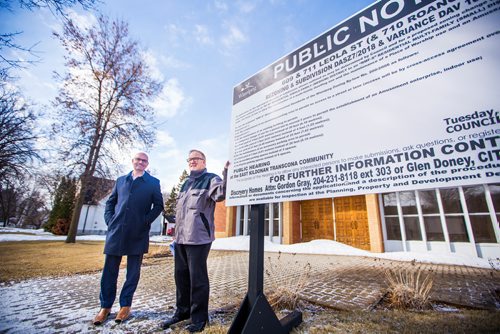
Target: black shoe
<point>196,327</point>
<point>173,320</point>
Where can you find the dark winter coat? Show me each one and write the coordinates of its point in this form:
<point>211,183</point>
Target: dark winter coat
<point>130,210</point>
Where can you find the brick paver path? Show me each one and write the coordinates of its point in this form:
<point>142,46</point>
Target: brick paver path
<point>67,304</point>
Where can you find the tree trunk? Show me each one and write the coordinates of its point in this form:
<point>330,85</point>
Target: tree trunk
<point>75,218</point>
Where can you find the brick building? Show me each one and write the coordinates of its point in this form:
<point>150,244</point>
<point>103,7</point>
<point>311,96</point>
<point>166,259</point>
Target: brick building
<point>462,220</point>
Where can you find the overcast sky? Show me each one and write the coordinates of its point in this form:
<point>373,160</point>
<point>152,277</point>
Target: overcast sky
<point>199,49</point>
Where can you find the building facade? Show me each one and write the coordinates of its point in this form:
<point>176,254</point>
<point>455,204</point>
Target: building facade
<point>92,220</point>
<point>462,220</point>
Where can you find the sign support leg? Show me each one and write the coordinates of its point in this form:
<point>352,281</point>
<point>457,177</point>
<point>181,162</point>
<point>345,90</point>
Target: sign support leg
<point>255,315</point>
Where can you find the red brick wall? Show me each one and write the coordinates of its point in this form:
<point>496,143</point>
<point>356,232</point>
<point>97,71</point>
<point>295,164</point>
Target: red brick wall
<point>220,217</point>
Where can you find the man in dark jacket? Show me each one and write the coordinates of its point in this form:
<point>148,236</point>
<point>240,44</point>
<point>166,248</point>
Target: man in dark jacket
<point>194,233</point>
<point>134,204</point>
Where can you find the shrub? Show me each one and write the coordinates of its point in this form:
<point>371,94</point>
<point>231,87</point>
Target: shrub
<point>284,293</point>
<point>408,289</point>
<point>61,227</point>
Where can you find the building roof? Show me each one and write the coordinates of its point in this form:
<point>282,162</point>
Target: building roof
<point>97,190</point>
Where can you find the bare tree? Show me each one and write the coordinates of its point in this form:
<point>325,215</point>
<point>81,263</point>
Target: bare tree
<point>103,103</point>
<point>7,42</point>
<point>17,138</point>
<point>22,203</point>
<point>7,38</point>
<point>31,210</point>
<point>8,202</point>
<point>56,6</point>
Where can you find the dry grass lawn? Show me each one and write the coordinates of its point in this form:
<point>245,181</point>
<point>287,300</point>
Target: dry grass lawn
<point>30,259</point>
<point>400,321</point>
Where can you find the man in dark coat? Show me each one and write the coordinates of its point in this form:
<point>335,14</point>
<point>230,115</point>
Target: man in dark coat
<point>134,204</point>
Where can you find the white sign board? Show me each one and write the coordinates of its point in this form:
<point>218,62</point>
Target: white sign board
<point>403,95</point>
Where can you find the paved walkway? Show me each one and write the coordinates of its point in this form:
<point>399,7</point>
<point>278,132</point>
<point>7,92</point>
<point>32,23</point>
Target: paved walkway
<point>67,304</point>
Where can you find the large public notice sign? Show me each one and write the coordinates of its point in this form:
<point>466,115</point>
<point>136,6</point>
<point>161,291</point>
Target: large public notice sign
<point>403,95</point>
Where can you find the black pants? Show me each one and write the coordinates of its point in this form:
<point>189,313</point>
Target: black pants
<point>191,281</point>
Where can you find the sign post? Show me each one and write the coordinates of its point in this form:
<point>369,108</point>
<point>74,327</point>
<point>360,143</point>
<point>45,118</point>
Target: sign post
<point>401,96</point>
<point>255,314</point>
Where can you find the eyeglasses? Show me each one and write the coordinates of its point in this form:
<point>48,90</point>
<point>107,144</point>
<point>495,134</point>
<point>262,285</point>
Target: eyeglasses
<point>194,159</point>
<point>141,160</point>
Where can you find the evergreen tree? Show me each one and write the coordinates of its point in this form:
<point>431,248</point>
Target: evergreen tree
<point>172,198</point>
<point>64,199</point>
<point>182,178</point>
<point>170,202</point>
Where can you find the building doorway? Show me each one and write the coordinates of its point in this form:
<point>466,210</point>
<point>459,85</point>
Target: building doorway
<point>351,221</point>
<point>316,219</point>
